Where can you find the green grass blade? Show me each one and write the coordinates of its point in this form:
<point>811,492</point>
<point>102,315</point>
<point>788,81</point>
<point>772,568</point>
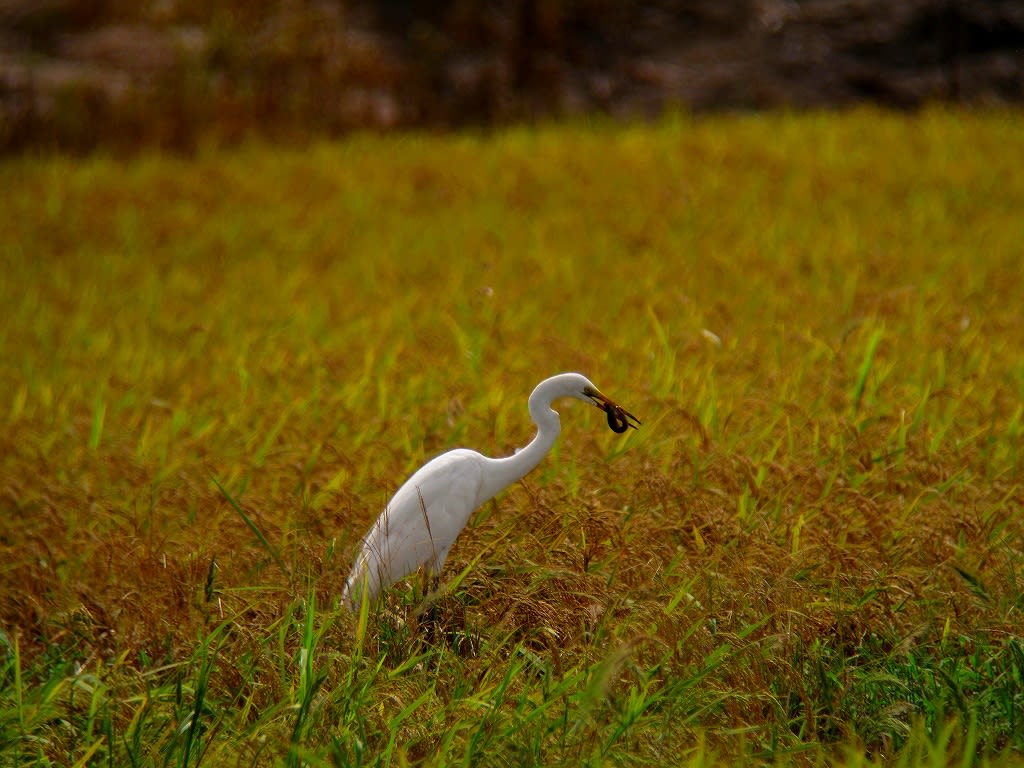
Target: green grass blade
<point>99,414</point>
<point>252,526</point>
<point>865,368</point>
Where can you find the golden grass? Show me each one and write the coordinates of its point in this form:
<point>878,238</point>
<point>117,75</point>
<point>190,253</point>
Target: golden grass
<point>812,547</point>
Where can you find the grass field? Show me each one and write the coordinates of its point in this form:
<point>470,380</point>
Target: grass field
<point>215,371</point>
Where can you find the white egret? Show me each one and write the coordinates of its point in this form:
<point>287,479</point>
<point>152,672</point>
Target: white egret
<point>423,519</point>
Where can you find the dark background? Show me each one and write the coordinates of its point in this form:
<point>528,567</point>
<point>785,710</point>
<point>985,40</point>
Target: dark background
<point>80,74</point>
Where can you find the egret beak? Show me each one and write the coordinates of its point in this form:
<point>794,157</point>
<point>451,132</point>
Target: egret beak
<point>618,417</point>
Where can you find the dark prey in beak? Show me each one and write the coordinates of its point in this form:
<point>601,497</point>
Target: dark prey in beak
<point>618,417</point>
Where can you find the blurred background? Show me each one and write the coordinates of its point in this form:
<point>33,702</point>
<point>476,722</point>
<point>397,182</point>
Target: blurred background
<point>124,74</point>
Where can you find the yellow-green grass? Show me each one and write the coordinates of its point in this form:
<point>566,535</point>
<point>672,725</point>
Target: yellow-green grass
<point>215,370</point>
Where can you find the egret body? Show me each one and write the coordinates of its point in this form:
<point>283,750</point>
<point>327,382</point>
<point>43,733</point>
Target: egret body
<point>421,522</point>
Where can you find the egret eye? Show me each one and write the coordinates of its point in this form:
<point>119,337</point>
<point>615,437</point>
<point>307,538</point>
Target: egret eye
<point>617,420</point>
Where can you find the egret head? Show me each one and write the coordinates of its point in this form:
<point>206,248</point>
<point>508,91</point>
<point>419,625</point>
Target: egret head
<point>580,387</point>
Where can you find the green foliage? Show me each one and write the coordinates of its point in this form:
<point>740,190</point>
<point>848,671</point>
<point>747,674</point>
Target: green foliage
<point>215,371</point>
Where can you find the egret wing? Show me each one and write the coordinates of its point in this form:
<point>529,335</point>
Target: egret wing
<point>421,522</point>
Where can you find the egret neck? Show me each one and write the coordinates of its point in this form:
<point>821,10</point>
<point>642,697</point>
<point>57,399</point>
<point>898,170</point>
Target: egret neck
<point>508,470</point>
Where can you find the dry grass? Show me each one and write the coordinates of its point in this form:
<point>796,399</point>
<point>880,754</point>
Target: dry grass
<point>216,371</point>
